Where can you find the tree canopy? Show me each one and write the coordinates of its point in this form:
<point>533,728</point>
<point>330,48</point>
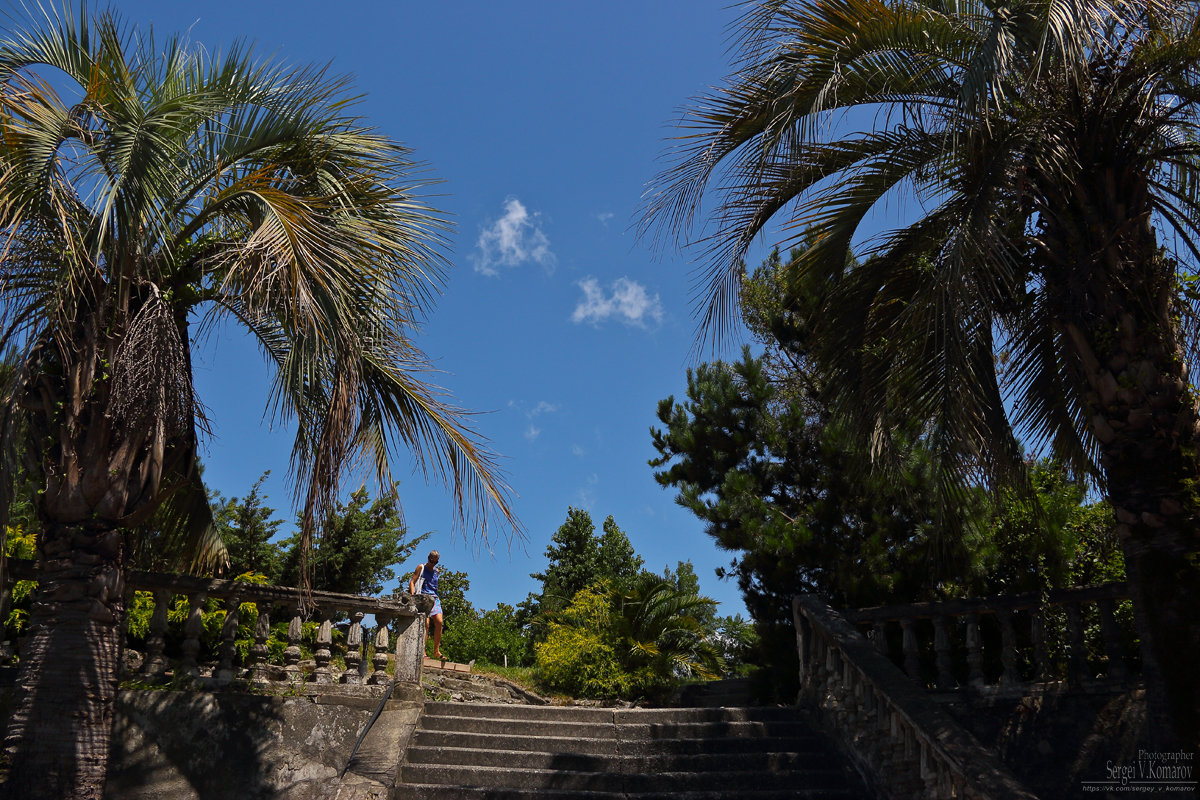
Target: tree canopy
<point>1050,152</point>
<point>151,189</point>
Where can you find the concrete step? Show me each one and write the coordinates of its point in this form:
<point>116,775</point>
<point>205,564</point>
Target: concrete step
<point>612,746</point>
<point>624,764</point>
<point>439,792</point>
<point>520,727</point>
<point>506,711</point>
<point>630,724</point>
<point>590,781</point>
<point>635,732</point>
<point>504,751</point>
<point>613,715</point>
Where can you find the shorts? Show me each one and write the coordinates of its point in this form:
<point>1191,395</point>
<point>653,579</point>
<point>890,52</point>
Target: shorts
<point>437,605</point>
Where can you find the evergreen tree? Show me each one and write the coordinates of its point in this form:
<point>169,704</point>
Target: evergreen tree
<point>574,556</point>
<point>247,526</point>
<point>578,558</point>
<point>360,543</point>
<point>616,559</point>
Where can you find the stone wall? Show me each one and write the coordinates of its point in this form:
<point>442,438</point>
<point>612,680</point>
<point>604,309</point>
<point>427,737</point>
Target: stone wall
<point>235,745</point>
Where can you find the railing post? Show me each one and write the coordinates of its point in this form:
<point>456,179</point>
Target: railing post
<point>941,645</point>
<point>191,631</point>
<point>975,677</point>
<point>879,634</point>
<point>1008,648</point>
<point>1077,661</point>
<point>156,641</point>
<point>322,655</point>
<point>410,648</point>
<point>1041,657</point>
<point>259,669</point>
<point>354,641</point>
<point>291,654</point>
<point>224,673</point>
<point>379,661</point>
<point>1112,639</point>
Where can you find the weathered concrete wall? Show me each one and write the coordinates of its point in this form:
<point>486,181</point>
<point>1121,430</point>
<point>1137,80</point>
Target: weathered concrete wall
<point>237,746</point>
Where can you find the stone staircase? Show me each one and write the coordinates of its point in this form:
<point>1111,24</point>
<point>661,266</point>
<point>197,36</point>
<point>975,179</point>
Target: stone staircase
<point>511,752</point>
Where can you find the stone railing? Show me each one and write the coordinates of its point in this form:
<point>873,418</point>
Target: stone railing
<point>401,617</point>
<point>1008,641</point>
<point>905,745</point>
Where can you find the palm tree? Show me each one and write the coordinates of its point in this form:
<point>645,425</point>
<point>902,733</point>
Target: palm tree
<point>657,630</point>
<point>1038,163</point>
<point>149,190</point>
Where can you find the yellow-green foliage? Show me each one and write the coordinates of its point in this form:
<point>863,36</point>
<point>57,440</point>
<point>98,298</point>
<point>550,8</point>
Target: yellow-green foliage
<point>212,619</point>
<point>576,657</point>
<point>19,544</point>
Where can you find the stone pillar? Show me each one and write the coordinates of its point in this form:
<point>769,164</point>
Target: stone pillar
<point>1008,648</point>
<point>975,677</point>
<point>941,646</point>
<point>323,654</point>
<point>224,673</point>
<point>379,660</point>
<point>410,648</point>
<point>192,630</point>
<point>259,670</point>
<point>1112,639</point>
<point>354,642</point>
<point>291,654</point>
<point>156,662</point>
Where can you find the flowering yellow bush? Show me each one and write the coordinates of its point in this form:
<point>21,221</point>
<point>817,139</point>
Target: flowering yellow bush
<point>576,657</point>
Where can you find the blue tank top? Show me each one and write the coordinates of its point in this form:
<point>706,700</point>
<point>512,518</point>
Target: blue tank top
<point>431,580</point>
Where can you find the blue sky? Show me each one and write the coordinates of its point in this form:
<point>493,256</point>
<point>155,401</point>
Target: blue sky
<point>542,122</point>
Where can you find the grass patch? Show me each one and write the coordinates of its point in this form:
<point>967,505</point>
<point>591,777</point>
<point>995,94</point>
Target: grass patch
<point>521,676</point>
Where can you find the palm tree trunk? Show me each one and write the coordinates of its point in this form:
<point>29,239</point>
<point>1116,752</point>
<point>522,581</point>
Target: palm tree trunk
<point>1145,417</point>
<point>60,732</point>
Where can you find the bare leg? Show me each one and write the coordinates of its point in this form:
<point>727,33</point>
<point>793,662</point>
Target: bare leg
<point>436,619</point>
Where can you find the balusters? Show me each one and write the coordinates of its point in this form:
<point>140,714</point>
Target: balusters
<point>259,670</point>
<point>322,654</point>
<point>354,640</point>
<point>975,677</point>
<point>379,661</point>
<point>912,662</point>
<point>1041,657</point>
<point>941,646</point>
<point>1077,666</point>
<point>1112,639</point>
<point>156,662</point>
<point>291,654</point>
<point>191,632</point>
<point>880,636</point>
<point>224,673</point>
<point>1008,648</point>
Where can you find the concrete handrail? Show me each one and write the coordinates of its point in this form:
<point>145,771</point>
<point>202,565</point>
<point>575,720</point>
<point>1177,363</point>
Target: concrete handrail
<point>403,612</point>
<point>905,745</point>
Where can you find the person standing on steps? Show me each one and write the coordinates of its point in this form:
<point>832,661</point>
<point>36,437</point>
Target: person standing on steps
<point>424,580</point>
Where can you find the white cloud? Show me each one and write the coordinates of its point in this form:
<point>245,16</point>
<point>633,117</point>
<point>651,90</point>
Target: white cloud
<point>543,408</point>
<point>627,301</point>
<point>513,239</point>
<point>576,450</point>
<point>604,217</point>
<point>586,495</point>
<point>532,432</point>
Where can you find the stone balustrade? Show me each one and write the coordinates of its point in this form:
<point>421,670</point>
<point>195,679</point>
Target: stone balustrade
<point>1010,641</point>
<point>905,746</point>
<point>400,617</point>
